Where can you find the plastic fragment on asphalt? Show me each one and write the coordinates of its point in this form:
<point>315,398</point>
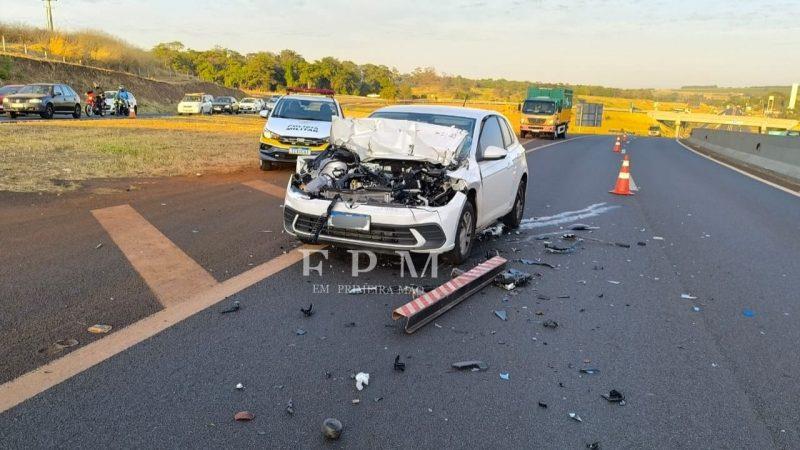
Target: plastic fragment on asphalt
<point>244,416</point>
<point>749,313</point>
<point>58,347</point>
<point>590,371</point>
<point>332,428</point>
<point>594,445</point>
<point>543,405</point>
<point>614,396</point>
<point>496,230</point>
<point>582,227</point>
<point>398,365</point>
<point>99,329</point>
<point>550,324</point>
<point>362,379</point>
<point>98,246</point>
<point>641,243</point>
<point>290,407</point>
<point>552,248</point>
<point>696,308</point>
<point>239,386</point>
<point>511,278</point>
<point>231,308</point>
<point>470,365</point>
<point>613,281</point>
<point>658,238</point>
<point>504,376</point>
<point>530,262</point>
<point>300,331</point>
<point>575,417</point>
<point>688,297</point>
<point>501,314</point>
<point>308,312</point>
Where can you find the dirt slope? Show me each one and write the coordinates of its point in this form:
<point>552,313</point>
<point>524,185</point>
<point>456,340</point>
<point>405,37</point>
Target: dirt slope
<point>153,96</point>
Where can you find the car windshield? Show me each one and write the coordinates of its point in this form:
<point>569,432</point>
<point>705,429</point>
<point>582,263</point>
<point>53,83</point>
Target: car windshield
<point>35,89</point>
<point>654,128</point>
<point>8,90</point>
<point>462,123</point>
<point>191,98</point>
<point>222,100</point>
<point>248,100</point>
<point>301,109</point>
<point>538,107</point>
<point>275,98</point>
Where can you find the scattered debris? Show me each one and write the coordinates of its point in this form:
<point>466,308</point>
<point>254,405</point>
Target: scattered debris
<point>658,238</point>
<point>99,329</point>
<point>350,325</point>
<point>590,371</point>
<point>594,445</point>
<point>232,308</point>
<point>614,396</point>
<point>300,331</point>
<point>550,324</point>
<point>613,281</point>
<point>309,311</point>
<point>749,313</point>
<point>552,248</point>
<point>575,417</point>
<point>355,401</point>
<point>504,376</point>
<point>531,262</point>
<point>563,296</point>
<point>543,405</point>
<point>696,308</point>
<point>511,278</point>
<point>582,227</point>
<point>98,246</point>
<point>501,314</point>
<point>290,407</point>
<point>244,416</point>
<point>688,297</point>
<point>332,428</point>
<point>398,365</point>
<point>542,297</point>
<point>362,379</point>
<point>641,243</point>
<point>239,386</point>
<point>58,347</point>
<point>377,399</point>
<point>470,365</point>
<point>600,241</point>
<point>496,230</point>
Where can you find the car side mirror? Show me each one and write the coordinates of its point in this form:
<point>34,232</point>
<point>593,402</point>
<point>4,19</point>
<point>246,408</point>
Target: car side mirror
<point>519,107</point>
<point>493,153</point>
<point>264,113</point>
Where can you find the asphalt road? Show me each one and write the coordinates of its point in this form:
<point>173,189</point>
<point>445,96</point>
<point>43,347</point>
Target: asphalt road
<point>706,378</point>
<point>5,118</point>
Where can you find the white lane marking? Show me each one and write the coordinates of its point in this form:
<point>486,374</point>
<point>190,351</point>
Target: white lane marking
<point>553,143</point>
<point>566,216</point>
<point>767,182</point>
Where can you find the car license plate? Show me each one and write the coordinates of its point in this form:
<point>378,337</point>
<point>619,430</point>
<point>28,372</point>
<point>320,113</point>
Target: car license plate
<point>352,221</point>
<point>299,151</point>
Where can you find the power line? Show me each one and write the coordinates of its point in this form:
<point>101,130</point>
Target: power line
<point>48,8</point>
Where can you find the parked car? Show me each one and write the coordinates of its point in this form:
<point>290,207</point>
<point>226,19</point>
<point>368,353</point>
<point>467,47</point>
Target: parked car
<point>466,171</point>
<point>44,99</point>
<point>109,102</point>
<point>225,105</point>
<point>299,125</point>
<point>251,105</point>
<point>270,102</point>
<point>654,131</point>
<point>8,90</point>
<point>195,104</point>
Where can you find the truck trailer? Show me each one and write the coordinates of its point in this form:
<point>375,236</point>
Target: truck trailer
<point>546,111</point>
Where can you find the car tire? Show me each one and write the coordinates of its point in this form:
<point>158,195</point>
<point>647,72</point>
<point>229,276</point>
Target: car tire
<point>266,165</point>
<point>48,112</point>
<point>465,236</point>
<point>13,115</point>
<point>76,113</point>
<point>514,217</point>
<point>136,110</point>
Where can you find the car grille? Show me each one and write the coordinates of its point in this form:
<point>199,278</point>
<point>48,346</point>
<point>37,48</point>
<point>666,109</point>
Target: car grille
<point>535,121</point>
<point>305,142</point>
<point>378,233</point>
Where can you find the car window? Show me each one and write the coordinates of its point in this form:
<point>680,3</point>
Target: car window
<point>302,109</point>
<point>57,91</point>
<point>71,91</point>
<point>508,136</point>
<point>491,134</point>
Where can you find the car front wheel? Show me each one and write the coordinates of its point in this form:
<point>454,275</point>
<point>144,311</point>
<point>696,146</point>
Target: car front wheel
<point>465,235</point>
<point>48,112</point>
<point>265,165</point>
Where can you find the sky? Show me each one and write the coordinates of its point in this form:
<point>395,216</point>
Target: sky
<point>619,43</point>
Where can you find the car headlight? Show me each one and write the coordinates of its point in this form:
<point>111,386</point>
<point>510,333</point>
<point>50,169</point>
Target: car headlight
<point>35,100</point>
<point>6,100</point>
<point>550,121</point>
<point>270,135</point>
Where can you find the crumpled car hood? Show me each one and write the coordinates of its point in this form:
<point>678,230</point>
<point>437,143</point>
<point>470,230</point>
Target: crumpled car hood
<point>397,139</point>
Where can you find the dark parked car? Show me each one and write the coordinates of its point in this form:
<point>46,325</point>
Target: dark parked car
<point>43,99</point>
<point>8,90</point>
<point>224,105</point>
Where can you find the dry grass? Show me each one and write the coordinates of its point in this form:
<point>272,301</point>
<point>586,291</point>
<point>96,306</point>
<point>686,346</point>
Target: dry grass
<point>55,156</point>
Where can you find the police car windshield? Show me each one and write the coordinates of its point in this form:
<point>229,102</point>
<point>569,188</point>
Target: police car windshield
<point>300,109</point>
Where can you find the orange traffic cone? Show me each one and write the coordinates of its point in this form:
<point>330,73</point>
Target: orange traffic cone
<point>132,113</point>
<point>617,146</point>
<point>623,186</point>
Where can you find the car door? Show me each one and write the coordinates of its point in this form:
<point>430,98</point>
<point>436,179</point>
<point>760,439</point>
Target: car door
<point>70,98</point>
<point>516,156</point>
<point>496,182</point>
<point>58,98</point>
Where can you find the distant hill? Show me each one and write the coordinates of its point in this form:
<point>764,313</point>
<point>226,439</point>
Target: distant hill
<point>152,95</point>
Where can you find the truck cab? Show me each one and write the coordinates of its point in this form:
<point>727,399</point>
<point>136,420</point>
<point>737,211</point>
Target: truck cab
<point>546,111</point>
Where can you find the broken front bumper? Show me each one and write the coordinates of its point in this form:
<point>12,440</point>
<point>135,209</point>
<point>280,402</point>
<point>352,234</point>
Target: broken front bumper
<point>416,229</point>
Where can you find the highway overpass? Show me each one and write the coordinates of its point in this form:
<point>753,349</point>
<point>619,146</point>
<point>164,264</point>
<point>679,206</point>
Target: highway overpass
<point>762,123</point>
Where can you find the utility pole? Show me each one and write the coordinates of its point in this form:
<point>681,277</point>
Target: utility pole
<point>48,8</point>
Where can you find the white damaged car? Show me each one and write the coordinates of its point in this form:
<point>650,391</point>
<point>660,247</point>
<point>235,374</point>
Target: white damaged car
<point>417,178</point>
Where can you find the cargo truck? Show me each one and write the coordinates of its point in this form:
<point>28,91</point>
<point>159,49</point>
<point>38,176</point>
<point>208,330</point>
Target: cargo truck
<point>546,111</point>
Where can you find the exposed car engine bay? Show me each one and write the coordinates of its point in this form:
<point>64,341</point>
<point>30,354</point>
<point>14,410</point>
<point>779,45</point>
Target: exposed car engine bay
<point>339,172</point>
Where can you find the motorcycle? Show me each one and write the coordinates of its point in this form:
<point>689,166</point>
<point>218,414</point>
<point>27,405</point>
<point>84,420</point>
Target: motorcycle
<point>121,108</point>
<point>94,104</point>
